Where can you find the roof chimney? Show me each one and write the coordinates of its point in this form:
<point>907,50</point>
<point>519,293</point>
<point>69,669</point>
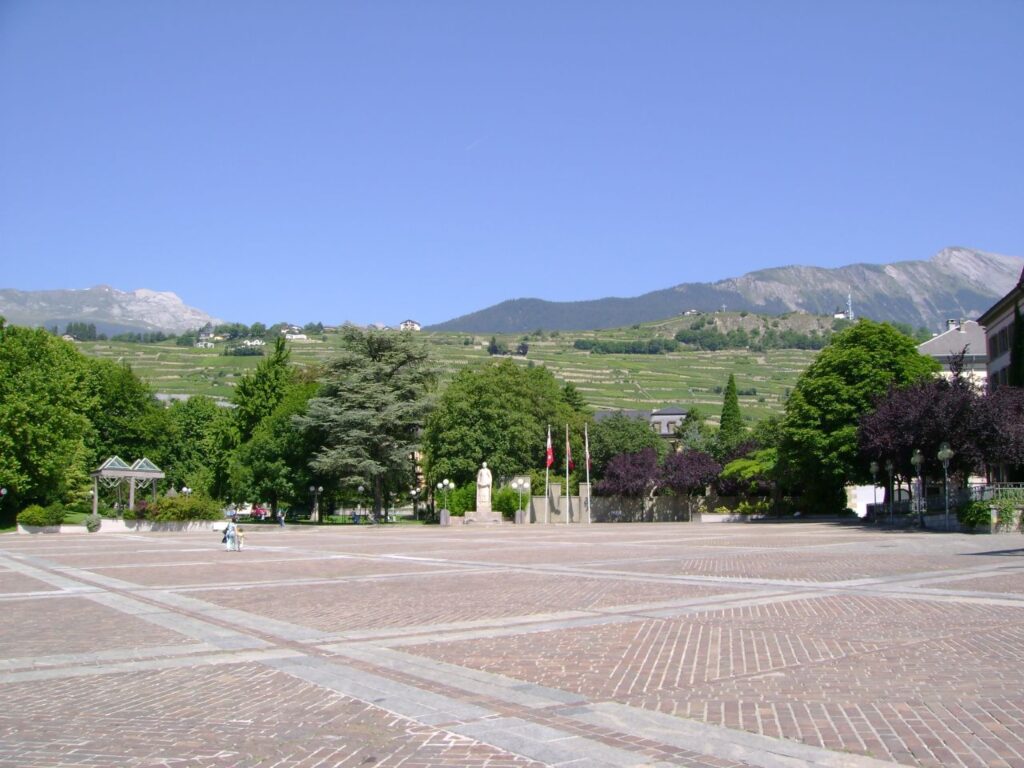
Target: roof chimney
<point>952,325</point>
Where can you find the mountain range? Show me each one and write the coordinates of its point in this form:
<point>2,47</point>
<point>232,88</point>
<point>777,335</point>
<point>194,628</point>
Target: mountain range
<point>110,310</point>
<point>955,283</point>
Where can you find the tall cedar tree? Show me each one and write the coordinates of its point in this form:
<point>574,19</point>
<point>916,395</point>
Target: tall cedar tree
<point>731,430</point>
<point>373,400</point>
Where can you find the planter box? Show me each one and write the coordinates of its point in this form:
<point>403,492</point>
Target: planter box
<point>43,528</point>
<point>119,525</point>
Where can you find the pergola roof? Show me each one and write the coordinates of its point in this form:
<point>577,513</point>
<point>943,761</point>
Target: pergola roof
<point>115,467</point>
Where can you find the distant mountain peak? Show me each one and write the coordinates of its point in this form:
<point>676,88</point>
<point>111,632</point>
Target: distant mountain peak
<point>956,282</point>
<point>107,307</point>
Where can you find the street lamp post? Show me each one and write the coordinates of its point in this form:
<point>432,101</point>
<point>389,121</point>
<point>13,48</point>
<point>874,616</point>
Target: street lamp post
<point>873,468</point>
<point>359,503</point>
<point>917,459</point>
<point>444,486</point>
<point>3,494</point>
<point>945,454</point>
<point>413,493</point>
<point>316,490</point>
<point>520,484</point>
<point>888,469</point>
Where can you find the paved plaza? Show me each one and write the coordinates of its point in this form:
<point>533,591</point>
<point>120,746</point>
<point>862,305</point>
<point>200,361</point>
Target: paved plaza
<point>728,645</point>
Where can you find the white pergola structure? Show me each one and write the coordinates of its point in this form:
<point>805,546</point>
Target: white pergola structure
<point>115,471</point>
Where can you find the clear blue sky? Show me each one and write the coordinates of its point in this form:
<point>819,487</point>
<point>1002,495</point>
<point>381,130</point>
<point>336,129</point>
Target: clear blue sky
<point>377,161</point>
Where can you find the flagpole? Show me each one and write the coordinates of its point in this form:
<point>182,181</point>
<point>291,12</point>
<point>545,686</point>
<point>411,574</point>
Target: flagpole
<point>586,457</point>
<point>547,469</point>
<point>568,496</point>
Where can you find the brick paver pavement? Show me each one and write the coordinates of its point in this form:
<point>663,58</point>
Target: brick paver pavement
<point>716,646</point>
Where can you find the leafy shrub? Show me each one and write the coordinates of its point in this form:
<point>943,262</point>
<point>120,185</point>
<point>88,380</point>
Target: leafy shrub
<point>1006,512</point>
<point>722,510</point>
<point>506,501</point>
<point>37,515</point>
<point>461,500</point>
<point>93,523</point>
<point>753,507</point>
<point>181,508</point>
<point>974,514</point>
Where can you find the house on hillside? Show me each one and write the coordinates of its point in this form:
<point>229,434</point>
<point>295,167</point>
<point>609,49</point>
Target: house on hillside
<point>663,421</point>
<point>410,325</point>
<point>254,343</point>
<point>998,322</point>
<point>960,336</point>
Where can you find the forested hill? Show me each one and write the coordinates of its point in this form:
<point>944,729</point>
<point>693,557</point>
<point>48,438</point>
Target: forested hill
<point>955,283</point>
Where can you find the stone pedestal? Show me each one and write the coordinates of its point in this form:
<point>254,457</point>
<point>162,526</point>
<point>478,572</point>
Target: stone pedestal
<point>483,516</point>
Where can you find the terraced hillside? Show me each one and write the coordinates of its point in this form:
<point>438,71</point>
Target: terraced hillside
<point>607,381</point>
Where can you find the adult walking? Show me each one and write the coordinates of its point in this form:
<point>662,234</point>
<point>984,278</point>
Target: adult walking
<point>231,536</point>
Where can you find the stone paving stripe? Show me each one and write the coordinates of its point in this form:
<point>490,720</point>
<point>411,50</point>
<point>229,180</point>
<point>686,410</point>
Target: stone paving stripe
<point>401,699</point>
<point>95,657</point>
<point>282,630</point>
<point>549,745</point>
<point>475,681</point>
<point>53,579</point>
<point>128,667</point>
<point>716,740</point>
<point>217,636</point>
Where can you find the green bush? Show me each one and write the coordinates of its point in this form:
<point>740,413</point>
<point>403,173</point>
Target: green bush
<point>506,501</point>
<point>461,500</point>
<point>181,508</point>
<point>37,515</point>
<point>753,507</point>
<point>974,514</point>
<point>1006,512</point>
<point>93,523</point>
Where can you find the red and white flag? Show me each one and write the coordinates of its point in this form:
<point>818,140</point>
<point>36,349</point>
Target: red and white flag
<point>551,451</point>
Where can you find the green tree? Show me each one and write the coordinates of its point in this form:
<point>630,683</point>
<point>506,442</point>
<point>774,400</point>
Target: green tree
<point>273,466</point>
<point>621,434</point>
<point>731,431</point>
<point>258,393</point>
<point>695,433</point>
<point>818,448</point>
<point>499,412</point>
<point>194,452</point>
<point>44,397</point>
<point>126,418</point>
<point>373,400</point>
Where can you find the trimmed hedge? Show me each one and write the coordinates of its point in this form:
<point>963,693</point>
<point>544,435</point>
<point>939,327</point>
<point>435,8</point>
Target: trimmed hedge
<point>41,516</point>
<point>182,508</point>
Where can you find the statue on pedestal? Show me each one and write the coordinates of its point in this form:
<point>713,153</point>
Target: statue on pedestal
<point>483,489</point>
